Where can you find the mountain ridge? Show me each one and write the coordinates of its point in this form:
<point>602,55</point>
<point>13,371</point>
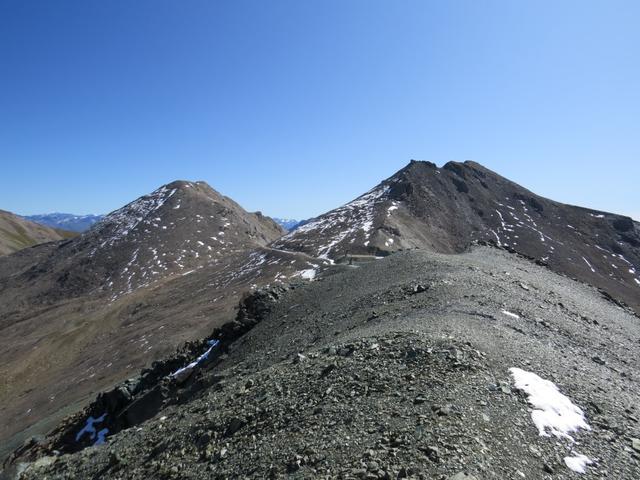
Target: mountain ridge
<point>431,253</point>
<point>66,221</point>
<point>125,293</point>
<point>447,209</point>
<point>399,368</point>
<point>17,233</point>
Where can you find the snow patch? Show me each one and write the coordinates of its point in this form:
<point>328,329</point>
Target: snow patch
<point>578,463</point>
<point>308,274</point>
<point>97,436</point>
<point>212,344</point>
<point>587,262</point>
<point>553,413</point>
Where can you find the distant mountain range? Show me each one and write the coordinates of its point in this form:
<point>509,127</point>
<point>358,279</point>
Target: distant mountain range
<point>17,233</point>
<point>288,223</point>
<point>66,221</point>
<point>81,223</point>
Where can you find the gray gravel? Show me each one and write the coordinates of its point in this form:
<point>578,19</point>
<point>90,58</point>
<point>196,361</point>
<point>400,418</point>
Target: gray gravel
<point>399,369</point>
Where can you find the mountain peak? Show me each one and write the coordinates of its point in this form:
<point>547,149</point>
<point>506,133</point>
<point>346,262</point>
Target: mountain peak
<point>176,228</point>
<point>447,209</point>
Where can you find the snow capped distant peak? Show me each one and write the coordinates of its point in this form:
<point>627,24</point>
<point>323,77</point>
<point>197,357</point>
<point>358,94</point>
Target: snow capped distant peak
<point>288,224</point>
<point>66,221</point>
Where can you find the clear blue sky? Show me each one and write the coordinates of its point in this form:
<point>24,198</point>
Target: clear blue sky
<point>294,107</point>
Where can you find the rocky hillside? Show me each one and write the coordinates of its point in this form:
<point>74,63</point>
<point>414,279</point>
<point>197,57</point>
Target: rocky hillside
<point>17,233</point>
<point>79,315</point>
<point>448,209</point>
<point>457,327</point>
<point>177,228</point>
<point>419,365</point>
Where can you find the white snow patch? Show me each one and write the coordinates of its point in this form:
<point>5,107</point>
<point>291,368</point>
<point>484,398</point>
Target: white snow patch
<point>308,274</point>
<point>393,207</point>
<point>497,237</point>
<point>578,463</point>
<point>200,359</point>
<point>553,413</point>
<point>97,436</point>
<point>587,262</point>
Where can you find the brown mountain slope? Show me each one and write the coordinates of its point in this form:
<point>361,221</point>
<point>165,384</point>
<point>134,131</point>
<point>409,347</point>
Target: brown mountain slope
<point>78,316</point>
<point>17,233</point>
<point>448,209</point>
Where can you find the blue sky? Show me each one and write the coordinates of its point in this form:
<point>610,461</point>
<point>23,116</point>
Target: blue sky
<point>295,107</point>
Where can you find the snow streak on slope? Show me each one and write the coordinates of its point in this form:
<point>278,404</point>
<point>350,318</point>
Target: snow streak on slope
<point>344,223</point>
<point>125,219</point>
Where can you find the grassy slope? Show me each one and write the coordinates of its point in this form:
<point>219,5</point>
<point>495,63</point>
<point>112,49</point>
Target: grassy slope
<point>17,233</point>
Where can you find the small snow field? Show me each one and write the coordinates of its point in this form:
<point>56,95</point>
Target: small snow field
<point>578,463</point>
<point>308,274</point>
<point>98,437</point>
<point>553,413</point>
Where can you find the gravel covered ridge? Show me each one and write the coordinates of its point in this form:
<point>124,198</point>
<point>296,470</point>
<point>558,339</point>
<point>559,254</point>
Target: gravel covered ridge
<point>399,369</point>
<point>396,406</point>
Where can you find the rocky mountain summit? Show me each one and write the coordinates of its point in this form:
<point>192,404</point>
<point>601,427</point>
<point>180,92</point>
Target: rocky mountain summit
<point>177,228</point>
<point>448,209</point>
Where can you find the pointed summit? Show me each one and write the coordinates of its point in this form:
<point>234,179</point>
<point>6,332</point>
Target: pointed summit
<point>447,209</point>
<point>176,228</point>
<point>79,315</point>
